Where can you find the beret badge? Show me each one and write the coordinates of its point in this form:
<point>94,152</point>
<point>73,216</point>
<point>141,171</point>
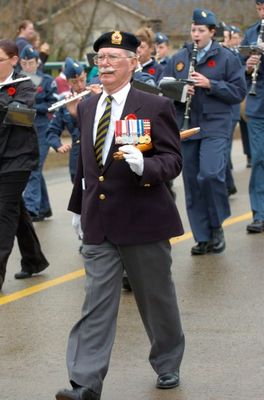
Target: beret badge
<point>204,14</point>
<point>116,38</point>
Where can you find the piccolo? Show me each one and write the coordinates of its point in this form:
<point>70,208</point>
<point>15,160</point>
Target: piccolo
<point>63,102</point>
<point>119,155</point>
<point>26,78</point>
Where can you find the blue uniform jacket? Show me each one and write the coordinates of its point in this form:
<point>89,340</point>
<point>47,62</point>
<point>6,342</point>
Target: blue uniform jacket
<point>255,104</point>
<point>44,99</point>
<point>211,109</point>
<point>153,68</point>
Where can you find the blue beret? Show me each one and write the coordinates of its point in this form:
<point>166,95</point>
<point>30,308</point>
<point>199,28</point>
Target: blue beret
<point>117,39</point>
<point>259,1</point>
<point>28,53</point>
<point>161,38</point>
<point>72,68</point>
<point>201,16</point>
<point>235,29</point>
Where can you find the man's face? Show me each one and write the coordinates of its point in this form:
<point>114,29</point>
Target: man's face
<point>144,52</point>
<point>260,10</point>
<point>201,35</point>
<point>115,68</point>
<point>162,50</point>
<point>78,84</point>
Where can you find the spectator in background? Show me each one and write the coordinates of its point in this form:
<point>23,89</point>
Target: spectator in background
<point>25,34</point>
<point>43,49</point>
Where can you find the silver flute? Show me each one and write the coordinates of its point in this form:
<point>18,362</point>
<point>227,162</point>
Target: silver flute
<point>63,102</point>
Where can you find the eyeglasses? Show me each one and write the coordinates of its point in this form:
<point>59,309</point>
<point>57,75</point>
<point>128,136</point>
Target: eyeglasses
<point>113,59</point>
<point>4,59</point>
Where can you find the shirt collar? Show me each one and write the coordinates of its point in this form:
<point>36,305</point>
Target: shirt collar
<point>117,96</point>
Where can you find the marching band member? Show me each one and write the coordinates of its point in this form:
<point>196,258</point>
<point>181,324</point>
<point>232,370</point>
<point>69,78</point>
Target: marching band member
<point>127,217</point>
<point>36,195</point>
<point>145,51</point>
<point>162,48</point>
<point>218,83</point>
<point>18,156</point>
<point>255,121</point>
<point>64,119</point>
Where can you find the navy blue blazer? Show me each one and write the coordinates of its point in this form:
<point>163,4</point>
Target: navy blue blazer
<point>116,204</point>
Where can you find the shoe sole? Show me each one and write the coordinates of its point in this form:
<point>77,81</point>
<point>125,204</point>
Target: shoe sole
<point>164,387</point>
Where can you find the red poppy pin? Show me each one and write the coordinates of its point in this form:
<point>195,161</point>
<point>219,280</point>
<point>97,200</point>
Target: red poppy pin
<point>130,116</point>
<point>11,91</point>
<point>40,89</point>
<point>211,63</point>
<point>151,71</point>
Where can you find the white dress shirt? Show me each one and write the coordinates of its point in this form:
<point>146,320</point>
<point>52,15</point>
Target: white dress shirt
<point>118,102</point>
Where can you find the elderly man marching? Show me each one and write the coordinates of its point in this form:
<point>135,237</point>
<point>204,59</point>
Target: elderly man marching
<point>127,217</point>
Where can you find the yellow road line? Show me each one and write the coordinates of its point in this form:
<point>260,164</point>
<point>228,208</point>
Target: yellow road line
<point>4,299</point>
<point>41,286</point>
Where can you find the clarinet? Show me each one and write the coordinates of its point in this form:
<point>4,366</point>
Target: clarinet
<point>193,62</point>
<point>253,87</point>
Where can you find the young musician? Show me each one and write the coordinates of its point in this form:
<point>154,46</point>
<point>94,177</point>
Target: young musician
<point>63,118</point>
<point>18,157</point>
<point>36,194</point>
<point>255,120</point>
<point>219,82</point>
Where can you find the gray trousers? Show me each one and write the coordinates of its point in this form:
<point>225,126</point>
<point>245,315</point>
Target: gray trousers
<point>149,271</point>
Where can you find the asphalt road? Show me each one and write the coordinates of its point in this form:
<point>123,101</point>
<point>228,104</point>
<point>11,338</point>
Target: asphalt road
<point>221,300</point>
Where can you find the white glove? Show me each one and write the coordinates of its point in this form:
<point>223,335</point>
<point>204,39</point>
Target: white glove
<point>76,223</point>
<point>134,158</point>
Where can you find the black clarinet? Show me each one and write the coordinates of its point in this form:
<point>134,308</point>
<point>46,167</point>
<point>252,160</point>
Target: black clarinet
<point>189,97</point>
<point>253,88</point>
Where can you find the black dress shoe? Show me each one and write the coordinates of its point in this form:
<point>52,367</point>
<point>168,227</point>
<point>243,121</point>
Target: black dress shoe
<point>79,393</point>
<point>256,227</point>
<point>218,240</point>
<point>23,275</point>
<point>168,381</point>
<point>202,248</point>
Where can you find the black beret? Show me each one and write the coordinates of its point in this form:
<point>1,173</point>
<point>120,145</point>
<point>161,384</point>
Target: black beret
<point>117,39</point>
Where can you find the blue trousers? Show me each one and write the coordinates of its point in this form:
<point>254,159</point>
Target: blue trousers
<point>204,170</point>
<point>36,196</point>
<point>256,182</point>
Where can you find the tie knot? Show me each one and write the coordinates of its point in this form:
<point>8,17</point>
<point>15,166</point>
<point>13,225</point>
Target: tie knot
<point>109,99</point>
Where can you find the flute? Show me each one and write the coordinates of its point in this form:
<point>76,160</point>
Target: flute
<point>26,78</point>
<point>61,103</point>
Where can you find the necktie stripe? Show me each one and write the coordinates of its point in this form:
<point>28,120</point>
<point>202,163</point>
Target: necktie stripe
<point>102,130</point>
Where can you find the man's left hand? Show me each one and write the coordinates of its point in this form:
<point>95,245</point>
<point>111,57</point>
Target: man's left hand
<point>134,158</point>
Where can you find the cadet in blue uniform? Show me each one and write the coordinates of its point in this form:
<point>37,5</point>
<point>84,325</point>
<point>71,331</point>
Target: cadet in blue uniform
<point>36,195</point>
<point>162,48</point>
<point>62,119</point>
<point>145,51</point>
<point>219,83</point>
<point>255,123</point>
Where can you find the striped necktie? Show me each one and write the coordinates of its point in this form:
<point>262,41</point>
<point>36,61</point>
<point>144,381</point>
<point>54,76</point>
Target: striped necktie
<point>102,129</point>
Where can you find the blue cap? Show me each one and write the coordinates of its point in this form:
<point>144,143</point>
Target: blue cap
<point>201,16</point>
<point>235,29</point>
<point>72,68</point>
<point>28,53</point>
<point>161,38</point>
<point>259,1</point>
